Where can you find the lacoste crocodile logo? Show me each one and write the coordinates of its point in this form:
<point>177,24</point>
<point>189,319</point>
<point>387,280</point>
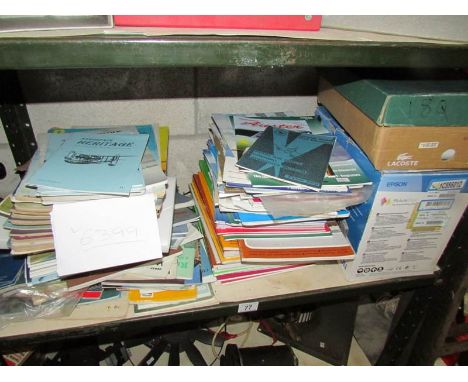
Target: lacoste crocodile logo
<point>404,156</point>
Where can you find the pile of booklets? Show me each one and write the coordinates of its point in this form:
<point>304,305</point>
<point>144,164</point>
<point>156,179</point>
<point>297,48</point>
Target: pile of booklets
<point>182,276</point>
<point>255,168</point>
<point>85,219</point>
<point>77,219</point>
<point>76,214</point>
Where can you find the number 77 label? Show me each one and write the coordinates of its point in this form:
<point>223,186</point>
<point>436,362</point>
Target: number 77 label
<point>248,307</point>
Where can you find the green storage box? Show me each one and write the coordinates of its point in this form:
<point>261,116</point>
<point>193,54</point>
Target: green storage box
<point>403,101</point>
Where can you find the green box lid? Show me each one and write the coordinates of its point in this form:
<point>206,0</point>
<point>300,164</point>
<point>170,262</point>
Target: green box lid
<point>404,101</point>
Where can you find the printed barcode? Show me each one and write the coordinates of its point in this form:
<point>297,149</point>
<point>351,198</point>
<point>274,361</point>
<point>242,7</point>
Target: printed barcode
<point>428,145</point>
<point>439,203</point>
<point>434,222</point>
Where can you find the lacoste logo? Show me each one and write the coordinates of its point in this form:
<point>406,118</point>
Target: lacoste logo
<point>404,156</point>
<point>403,160</point>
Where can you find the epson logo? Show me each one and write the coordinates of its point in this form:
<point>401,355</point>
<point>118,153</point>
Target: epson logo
<point>370,269</point>
<point>397,184</point>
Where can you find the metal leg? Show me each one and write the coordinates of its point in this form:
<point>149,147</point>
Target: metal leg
<point>174,356</point>
<point>156,351</point>
<point>448,294</point>
<point>194,354</point>
<point>411,310</point>
<point>420,334</point>
<point>15,118</point>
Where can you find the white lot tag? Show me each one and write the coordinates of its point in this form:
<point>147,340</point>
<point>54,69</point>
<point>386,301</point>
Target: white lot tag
<point>105,233</point>
<point>248,307</point>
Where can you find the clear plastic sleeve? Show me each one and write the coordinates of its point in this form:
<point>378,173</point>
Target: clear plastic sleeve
<point>25,303</point>
<point>308,204</point>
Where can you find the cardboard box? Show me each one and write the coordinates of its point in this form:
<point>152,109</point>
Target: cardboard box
<point>399,98</point>
<point>404,227</point>
<point>398,147</point>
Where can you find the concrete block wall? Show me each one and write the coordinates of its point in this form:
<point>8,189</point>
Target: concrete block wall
<point>182,99</point>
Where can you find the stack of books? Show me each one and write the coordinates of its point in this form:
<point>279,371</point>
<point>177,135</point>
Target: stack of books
<point>84,194</point>
<point>105,244</point>
<point>254,170</point>
<point>182,276</point>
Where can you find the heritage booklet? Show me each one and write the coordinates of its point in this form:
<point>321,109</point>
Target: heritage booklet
<point>90,162</point>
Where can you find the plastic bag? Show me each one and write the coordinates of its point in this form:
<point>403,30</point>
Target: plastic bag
<point>48,300</point>
<point>308,204</point>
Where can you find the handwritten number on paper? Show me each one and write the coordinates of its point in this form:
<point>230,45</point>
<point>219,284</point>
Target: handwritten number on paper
<point>90,238</point>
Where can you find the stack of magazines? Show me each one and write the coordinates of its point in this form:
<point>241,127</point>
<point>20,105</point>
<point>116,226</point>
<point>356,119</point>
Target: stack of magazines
<point>72,177</point>
<point>271,192</point>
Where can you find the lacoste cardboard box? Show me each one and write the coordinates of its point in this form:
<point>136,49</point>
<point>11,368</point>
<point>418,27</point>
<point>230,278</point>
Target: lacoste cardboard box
<point>398,147</point>
<point>405,225</point>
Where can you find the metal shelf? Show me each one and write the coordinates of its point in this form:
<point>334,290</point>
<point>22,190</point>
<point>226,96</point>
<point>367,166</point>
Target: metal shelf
<point>115,51</point>
<point>111,330</point>
<point>127,51</point>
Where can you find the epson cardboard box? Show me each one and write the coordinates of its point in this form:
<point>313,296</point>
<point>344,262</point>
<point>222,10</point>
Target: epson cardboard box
<point>404,227</point>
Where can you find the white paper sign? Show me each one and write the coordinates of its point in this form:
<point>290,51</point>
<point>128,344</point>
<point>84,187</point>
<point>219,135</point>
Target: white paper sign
<point>105,233</point>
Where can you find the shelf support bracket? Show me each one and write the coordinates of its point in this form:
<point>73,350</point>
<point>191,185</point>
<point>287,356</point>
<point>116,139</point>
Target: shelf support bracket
<point>15,118</point>
<point>421,333</point>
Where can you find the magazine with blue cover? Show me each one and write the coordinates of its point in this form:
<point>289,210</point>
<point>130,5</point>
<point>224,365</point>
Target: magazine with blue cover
<point>101,163</point>
<point>294,157</point>
<point>11,268</point>
<point>55,139</point>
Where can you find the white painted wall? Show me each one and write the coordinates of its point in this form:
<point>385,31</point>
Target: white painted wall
<point>444,27</point>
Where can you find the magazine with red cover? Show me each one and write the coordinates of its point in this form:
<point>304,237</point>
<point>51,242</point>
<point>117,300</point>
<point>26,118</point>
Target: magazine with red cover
<point>276,22</point>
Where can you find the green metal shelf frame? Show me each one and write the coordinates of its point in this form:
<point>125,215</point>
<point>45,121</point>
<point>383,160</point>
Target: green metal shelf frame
<point>216,51</point>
